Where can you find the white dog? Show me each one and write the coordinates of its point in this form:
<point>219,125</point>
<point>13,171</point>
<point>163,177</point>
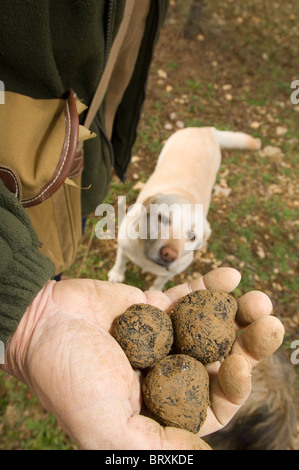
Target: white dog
<point>169,220</point>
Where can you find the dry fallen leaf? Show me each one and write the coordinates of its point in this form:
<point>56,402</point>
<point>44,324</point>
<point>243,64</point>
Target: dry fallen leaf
<point>281,130</point>
<point>162,74</point>
<point>220,191</point>
<point>255,125</point>
<point>180,124</point>
<point>271,152</point>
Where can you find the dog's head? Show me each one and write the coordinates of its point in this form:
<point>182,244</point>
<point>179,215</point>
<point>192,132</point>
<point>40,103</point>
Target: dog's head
<point>173,227</point>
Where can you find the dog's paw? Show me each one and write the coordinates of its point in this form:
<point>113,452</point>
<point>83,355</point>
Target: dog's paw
<point>153,288</point>
<point>114,276</point>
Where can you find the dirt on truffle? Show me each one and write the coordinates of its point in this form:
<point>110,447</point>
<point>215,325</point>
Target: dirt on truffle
<point>145,334</point>
<point>203,323</point>
<point>176,392</point>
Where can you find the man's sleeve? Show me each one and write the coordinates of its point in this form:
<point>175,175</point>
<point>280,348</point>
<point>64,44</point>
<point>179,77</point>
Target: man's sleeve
<point>23,269</point>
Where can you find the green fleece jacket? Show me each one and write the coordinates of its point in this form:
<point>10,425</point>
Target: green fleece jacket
<point>46,48</point>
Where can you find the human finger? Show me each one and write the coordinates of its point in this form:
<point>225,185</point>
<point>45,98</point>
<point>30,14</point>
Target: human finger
<point>260,339</point>
<point>251,306</point>
<point>229,389</point>
<point>230,382</point>
<point>226,279</point>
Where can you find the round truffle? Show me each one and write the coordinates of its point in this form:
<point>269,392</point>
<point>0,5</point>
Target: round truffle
<point>203,323</point>
<point>176,392</point>
<point>145,334</point>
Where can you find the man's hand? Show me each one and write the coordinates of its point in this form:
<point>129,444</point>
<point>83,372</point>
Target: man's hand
<point>64,351</point>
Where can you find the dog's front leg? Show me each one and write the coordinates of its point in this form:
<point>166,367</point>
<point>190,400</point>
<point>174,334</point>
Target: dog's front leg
<point>207,231</point>
<point>159,282</point>
<point>117,273</point>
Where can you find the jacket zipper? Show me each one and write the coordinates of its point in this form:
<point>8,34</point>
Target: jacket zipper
<point>111,152</point>
<point>108,32</point>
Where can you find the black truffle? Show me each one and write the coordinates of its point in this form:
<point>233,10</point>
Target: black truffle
<point>145,334</point>
<point>176,392</point>
<point>203,323</point>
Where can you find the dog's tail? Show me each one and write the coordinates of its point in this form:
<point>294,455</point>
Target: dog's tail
<point>237,140</point>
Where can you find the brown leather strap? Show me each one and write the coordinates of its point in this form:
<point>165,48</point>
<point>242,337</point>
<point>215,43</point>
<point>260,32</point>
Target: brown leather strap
<point>11,181</point>
<point>68,154</point>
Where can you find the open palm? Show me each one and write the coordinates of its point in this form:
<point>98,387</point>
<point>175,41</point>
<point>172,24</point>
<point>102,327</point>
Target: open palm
<point>64,351</point>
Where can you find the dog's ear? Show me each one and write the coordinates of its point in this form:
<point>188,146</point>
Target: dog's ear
<point>207,231</point>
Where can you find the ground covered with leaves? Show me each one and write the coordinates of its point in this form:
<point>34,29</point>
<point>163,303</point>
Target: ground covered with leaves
<point>233,72</point>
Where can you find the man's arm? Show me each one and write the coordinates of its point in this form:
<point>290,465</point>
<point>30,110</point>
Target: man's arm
<point>23,269</point>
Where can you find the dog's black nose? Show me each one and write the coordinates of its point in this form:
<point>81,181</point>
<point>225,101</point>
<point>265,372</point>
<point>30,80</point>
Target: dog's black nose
<point>168,254</point>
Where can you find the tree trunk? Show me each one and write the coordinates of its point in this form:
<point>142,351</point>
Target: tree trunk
<point>192,26</point>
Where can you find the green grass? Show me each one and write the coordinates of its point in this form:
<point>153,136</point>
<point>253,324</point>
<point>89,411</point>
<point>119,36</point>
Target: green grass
<point>24,423</point>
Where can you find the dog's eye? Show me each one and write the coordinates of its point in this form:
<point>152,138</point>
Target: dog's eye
<point>191,236</point>
<point>162,219</point>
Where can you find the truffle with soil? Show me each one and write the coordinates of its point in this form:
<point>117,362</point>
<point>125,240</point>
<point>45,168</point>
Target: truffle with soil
<point>176,348</point>
<point>145,334</point>
<point>204,325</point>
<point>176,391</point>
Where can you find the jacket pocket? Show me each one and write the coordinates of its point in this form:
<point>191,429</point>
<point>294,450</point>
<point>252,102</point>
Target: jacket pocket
<point>41,160</point>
